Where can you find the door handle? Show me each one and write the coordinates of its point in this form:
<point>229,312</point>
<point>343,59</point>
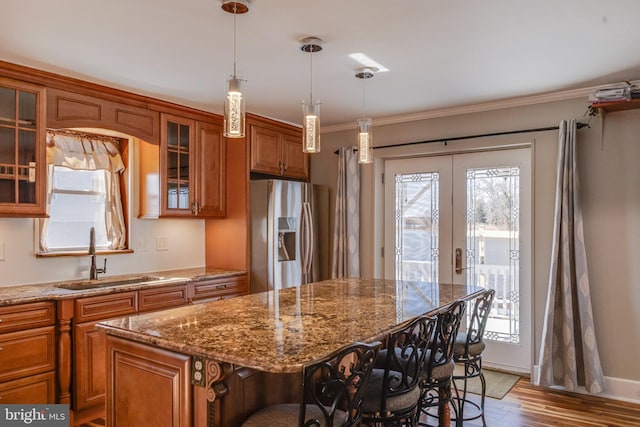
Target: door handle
<point>459,266</point>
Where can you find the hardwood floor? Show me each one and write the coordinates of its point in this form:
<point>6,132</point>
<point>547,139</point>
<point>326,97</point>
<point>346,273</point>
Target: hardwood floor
<point>530,406</point>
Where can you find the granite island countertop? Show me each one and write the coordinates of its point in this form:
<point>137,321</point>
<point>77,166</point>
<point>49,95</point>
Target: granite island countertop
<point>280,331</point>
<point>19,294</point>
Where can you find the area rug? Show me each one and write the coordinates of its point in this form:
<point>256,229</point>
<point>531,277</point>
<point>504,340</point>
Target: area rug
<point>498,383</point>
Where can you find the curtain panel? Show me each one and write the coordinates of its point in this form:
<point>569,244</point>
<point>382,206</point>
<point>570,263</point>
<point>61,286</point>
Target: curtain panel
<point>346,233</point>
<point>79,151</point>
<point>569,353</point>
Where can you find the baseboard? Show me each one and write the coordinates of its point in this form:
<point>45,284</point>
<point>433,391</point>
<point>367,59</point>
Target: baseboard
<point>615,388</point>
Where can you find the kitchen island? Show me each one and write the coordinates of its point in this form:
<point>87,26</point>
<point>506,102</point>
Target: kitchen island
<point>214,364</point>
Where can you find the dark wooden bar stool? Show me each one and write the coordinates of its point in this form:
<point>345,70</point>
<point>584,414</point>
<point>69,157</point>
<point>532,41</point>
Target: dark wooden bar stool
<point>332,392</point>
<point>392,395</point>
<point>468,353</point>
<point>437,372</point>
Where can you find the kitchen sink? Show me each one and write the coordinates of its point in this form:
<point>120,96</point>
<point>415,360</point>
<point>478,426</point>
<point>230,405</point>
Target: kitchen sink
<point>108,282</point>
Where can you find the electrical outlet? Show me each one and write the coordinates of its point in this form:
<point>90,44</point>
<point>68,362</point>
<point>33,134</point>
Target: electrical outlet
<point>162,243</point>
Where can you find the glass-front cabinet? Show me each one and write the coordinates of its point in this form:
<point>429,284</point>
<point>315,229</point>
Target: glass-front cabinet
<point>176,164</point>
<point>192,168</point>
<point>22,149</point>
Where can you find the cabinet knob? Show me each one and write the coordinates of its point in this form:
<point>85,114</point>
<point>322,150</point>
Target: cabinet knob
<point>0,320</point>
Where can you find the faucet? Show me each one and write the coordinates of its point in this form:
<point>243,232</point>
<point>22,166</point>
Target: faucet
<point>93,271</point>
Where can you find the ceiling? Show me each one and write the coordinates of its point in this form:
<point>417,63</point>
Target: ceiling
<point>441,54</point>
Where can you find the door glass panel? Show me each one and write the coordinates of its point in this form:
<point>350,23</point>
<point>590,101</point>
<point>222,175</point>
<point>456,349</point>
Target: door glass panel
<point>493,247</point>
<point>184,166</point>
<point>172,134</point>
<point>26,147</point>
<point>184,136</point>
<point>7,106</point>
<point>7,147</point>
<point>416,216</point>
<point>172,165</point>
<point>27,110</point>
<point>172,195</point>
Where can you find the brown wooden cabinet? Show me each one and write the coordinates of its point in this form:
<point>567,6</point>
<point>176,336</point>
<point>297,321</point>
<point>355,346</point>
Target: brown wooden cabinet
<point>148,386</point>
<point>192,168</point>
<point>206,290</point>
<point>66,109</point>
<point>22,149</point>
<point>276,149</point>
<point>27,353</point>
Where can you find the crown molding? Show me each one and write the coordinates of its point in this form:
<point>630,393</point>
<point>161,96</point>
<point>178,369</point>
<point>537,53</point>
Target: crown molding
<point>473,108</point>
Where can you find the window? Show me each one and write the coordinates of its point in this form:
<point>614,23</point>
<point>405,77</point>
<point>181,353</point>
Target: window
<point>83,192</point>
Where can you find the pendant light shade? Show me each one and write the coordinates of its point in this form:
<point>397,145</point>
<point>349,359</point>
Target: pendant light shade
<point>365,141</point>
<point>234,105</point>
<point>234,109</point>
<point>311,111</point>
<point>364,125</point>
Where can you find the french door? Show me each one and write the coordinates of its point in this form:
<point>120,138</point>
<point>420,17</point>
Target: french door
<point>466,219</point>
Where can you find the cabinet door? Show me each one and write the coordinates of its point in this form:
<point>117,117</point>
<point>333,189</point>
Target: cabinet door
<point>147,386</point>
<point>295,162</point>
<point>34,389</point>
<point>265,150</point>
<point>211,167</point>
<point>27,352</point>
<point>90,366</point>
<point>22,149</point>
<point>177,166</point>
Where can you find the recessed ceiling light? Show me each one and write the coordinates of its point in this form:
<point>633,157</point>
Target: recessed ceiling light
<point>365,61</point>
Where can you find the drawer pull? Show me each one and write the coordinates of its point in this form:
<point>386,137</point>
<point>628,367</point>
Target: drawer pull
<point>0,320</point>
<point>222,286</point>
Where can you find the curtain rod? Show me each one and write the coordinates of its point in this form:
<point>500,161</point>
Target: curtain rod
<point>482,135</point>
<point>85,135</point>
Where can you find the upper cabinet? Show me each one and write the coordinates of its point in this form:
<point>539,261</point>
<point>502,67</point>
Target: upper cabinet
<point>192,168</point>
<point>22,149</point>
<point>276,149</point>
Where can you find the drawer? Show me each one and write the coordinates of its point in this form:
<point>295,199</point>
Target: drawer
<point>26,353</point>
<point>212,288</point>
<point>159,298</point>
<point>26,316</point>
<point>103,307</point>
<point>35,389</point>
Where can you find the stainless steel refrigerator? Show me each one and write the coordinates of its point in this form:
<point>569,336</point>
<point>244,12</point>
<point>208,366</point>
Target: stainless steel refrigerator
<point>289,234</point>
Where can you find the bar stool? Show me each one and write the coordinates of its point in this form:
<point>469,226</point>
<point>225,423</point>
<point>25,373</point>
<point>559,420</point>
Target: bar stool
<point>332,392</point>
<point>392,395</point>
<point>468,352</point>
<point>437,372</point>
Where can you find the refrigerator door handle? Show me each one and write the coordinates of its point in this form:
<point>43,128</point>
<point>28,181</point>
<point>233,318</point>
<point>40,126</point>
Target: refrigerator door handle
<point>306,240</point>
<point>310,242</point>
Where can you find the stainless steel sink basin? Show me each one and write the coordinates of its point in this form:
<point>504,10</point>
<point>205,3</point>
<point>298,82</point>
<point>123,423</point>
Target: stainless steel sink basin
<point>107,282</point>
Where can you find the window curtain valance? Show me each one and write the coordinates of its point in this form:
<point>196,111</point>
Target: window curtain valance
<point>81,151</point>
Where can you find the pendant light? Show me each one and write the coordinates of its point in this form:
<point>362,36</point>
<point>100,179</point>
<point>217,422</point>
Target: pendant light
<point>234,105</point>
<point>311,111</point>
<point>365,133</point>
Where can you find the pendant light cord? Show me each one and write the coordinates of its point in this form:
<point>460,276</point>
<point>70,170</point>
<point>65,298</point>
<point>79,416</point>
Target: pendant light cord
<point>235,9</point>
<point>364,97</point>
<point>311,76</point>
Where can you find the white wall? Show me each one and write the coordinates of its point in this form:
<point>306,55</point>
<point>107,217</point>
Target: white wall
<point>186,246</point>
<point>611,200</point>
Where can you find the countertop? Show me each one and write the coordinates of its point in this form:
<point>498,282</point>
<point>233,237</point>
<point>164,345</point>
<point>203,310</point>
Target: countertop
<point>19,294</point>
<point>280,331</point>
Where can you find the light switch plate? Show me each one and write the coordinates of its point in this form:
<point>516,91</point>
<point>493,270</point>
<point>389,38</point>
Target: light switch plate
<point>162,243</point>
<point>1,251</point>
